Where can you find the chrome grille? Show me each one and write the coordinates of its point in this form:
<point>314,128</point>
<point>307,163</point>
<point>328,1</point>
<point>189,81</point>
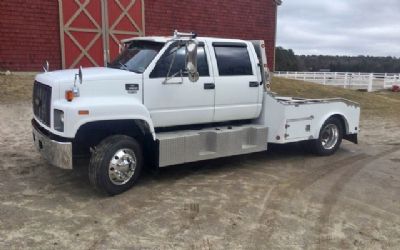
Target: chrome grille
<point>41,102</point>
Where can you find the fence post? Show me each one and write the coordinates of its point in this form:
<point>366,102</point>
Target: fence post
<point>371,81</point>
<point>295,75</point>
<point>385,80</point>
<point>345,80</point>
<point>324,78</point>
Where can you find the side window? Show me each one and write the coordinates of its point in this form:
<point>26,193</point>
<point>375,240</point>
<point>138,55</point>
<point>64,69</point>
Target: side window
<point>202,64</point>
<point>164,63</point>
<point>233,60</point>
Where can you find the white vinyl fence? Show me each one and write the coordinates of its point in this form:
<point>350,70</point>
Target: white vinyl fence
<point>367,81</point>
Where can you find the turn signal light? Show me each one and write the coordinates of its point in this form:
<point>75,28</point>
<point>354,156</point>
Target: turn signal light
<point>69,95</point>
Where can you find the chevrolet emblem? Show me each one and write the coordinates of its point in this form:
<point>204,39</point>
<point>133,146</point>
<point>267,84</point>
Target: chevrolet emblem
<point>38,102</point>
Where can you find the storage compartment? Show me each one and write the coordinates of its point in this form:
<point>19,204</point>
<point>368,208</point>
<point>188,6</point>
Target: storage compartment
<point>298,128</point>
<point>194,145</point>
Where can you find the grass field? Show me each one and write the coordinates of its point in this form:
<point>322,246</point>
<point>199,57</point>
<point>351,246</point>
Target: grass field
<point>385,104</point>
<point>376,104</point>
<point>15,88</point>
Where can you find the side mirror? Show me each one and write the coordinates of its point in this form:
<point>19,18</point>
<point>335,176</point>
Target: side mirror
<point>267,76</point>
<point>80,75</point>
<point>191,60</point>
<point>268,79</point>
<point>121,47</point>
<point>46,66</point>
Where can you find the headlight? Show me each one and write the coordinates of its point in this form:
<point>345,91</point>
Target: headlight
<point>59,120</point>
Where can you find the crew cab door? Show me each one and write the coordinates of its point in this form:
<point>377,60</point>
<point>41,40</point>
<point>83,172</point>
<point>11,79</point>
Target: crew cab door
<point>177,100</point>
<point>238,83</point>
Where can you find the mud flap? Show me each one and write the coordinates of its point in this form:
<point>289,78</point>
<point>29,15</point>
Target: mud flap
<point>351,138</point>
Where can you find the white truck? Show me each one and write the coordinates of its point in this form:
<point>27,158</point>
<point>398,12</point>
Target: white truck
<point>172,100</point>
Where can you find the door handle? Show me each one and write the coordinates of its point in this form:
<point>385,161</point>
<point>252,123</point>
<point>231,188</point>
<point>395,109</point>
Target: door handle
<point>209,85</point>
<point>254,84</point>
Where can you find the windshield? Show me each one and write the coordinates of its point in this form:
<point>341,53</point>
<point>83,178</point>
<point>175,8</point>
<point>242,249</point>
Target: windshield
<point>137,56</point>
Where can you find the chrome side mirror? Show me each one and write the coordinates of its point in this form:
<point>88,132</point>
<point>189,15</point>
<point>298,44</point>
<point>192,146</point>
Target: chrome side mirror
<point>191,60</point>
<point>46,66</point>
<point>268,79</point>
<point>267,76</point>
<point>121,47</point>
<point>80,75</point>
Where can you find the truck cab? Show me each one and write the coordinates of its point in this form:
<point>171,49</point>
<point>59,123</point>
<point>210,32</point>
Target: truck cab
<point>170,100</point>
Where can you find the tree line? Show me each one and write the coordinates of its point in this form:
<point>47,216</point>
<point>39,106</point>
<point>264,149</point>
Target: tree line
<point>287,60</point>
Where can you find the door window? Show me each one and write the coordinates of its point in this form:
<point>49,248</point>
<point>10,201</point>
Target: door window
<point>233,60</point>
<point>173,62</point>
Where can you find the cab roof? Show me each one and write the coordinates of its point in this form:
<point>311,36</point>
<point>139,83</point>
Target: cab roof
<point>164,39</point>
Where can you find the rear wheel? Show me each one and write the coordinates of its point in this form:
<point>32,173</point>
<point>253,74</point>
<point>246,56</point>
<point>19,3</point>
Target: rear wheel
<point>330,137</point>
<point>115,164</point>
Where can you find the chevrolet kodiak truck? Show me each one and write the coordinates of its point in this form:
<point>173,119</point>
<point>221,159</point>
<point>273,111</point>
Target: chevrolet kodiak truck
<point>172,100</point>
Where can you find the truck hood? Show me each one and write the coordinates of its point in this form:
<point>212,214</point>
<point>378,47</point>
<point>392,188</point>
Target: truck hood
<point>95,82</point>
<point>89,75</point>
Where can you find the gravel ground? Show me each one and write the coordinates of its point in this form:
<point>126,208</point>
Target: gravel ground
<point>285,198</point>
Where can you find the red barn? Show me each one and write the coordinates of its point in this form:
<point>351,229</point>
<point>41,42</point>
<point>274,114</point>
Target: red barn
<point>69,33</point>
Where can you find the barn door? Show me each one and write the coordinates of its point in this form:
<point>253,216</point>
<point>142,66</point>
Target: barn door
<point>125,19</point>
<point>90,30</point>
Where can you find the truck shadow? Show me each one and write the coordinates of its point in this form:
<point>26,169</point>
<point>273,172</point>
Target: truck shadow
<point>275,155</point>
<point>229,164</point>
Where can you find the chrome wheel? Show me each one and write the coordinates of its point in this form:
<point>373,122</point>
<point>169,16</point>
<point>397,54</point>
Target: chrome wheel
<point>330,136</point>
<point>122,166</point>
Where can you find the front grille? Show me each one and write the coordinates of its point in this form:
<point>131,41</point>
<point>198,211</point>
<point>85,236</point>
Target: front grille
<point>41,102</point>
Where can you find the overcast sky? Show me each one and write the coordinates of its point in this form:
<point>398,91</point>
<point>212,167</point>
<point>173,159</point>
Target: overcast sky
<point>340,27</point>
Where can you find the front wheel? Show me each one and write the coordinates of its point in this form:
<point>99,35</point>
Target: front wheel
<point>330,138</point>
<point>115,164</point>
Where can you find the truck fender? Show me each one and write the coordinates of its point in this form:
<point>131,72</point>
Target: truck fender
<point>107,109</point>
<point>341,116</point>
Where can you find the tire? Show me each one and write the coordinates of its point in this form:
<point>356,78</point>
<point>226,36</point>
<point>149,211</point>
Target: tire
<point>330,138</point>
<point>115,164</point>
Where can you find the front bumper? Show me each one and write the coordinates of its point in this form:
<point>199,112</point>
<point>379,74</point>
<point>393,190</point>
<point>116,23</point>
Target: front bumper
<point>57,153</point>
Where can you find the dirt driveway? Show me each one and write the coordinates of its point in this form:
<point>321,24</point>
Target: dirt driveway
<point>281,199</point>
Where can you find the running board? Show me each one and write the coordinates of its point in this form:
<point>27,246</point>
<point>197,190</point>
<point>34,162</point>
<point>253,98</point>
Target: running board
<point>195,145</point>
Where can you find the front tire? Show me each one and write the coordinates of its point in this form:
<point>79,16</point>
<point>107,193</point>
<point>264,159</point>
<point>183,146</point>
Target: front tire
<point>115,164</point>
<point>330,138</point>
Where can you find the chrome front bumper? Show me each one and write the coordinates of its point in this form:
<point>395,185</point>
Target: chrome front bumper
<point>56,153</point>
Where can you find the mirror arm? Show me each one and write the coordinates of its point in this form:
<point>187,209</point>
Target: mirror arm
<point>170,68</point>
<point>174,75</point>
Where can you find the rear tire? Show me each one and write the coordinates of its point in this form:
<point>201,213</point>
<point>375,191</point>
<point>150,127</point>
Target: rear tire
<point>330,138</point>
<point>115,164</point>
